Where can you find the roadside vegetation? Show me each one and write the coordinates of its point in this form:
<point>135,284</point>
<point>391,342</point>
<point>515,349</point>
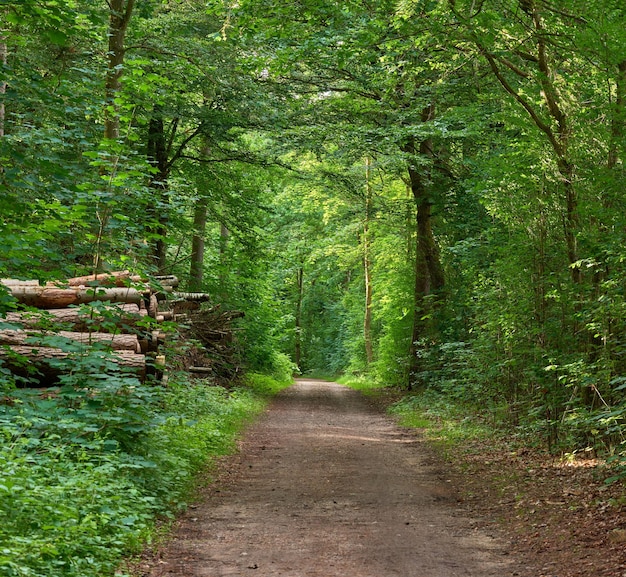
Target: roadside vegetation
<point>459,427</point>
<point>87,472</point>
<point>446,424</point>
<point>507,477</point>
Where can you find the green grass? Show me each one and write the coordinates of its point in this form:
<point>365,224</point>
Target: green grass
<point>265,385</point>
<point>442,421</point>
<point>364,384</point>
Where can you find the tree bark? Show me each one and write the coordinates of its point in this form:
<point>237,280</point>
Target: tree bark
<point>298,328</point>
<point>39,357</point>
<point>223,276</point>
<point>122,317</point>
<point>117,278</point>
<point>196,297</point>
<point>120,12</point>
<point>429,276</point>
<point>51,298</point>
<point>618,119</point>
<point>158,158</point>
<point>3,83</point>
<point>196,267</point>
<point>36,339</point>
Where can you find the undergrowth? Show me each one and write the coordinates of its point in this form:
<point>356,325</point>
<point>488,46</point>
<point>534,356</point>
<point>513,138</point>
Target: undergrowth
<point>441,419</point>
<point>87,468</point>
<point>452,422</point>
<point>361,383</point>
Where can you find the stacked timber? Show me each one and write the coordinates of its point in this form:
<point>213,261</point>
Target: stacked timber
<point>61,320</point>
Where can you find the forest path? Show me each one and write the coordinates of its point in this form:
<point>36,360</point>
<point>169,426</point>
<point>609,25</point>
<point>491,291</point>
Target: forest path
<point>325,485</point>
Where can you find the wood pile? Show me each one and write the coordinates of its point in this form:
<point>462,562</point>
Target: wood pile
<point>120,314</point>
<point>220,356</point>
<point>61,320</point>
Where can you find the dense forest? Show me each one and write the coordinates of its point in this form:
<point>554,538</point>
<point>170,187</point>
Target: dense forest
<point>424,193</point>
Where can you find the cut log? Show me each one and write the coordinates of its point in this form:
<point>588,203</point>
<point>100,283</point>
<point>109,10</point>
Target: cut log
<point>198,297</point>
<point>41,357</point>
<point>124,316</point>
<point>201,370</point>
<point>110,279</point>
<point>33,338</point>
<point>149,342</point>
<point>167,280</point>
<point>153,307</point>
<point>8,282</point>
<point>165,316</point>
<point>52,298</point>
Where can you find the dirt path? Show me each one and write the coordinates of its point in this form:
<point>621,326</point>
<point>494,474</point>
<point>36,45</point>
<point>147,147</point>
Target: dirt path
<point>327,486</point>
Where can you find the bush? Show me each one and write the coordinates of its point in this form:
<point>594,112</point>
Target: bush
<point>86,468</point>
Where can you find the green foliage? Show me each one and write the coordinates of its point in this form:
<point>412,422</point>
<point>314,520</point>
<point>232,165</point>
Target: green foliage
<point>269,385</point>
<point>362,383</point>
<point>263,114</point>
<point>87,466</point>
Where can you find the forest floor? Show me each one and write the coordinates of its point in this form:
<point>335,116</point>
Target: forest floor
<point>558,513</point>
<point>326,485</point>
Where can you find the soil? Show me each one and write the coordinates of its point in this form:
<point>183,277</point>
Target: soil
<point>326,485</point>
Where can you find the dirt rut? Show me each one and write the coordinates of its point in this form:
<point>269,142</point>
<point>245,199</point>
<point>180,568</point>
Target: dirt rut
<point>327,486</point>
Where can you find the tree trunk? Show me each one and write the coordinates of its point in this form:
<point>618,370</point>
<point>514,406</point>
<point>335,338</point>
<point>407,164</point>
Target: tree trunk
<point>196,268</point>
<point>3,84</point>
<point>39,359</point>
<point>117,278</point>
<point>120,12</point>
<point>367,268</point>
<point>224,237</point>
<point>37,339</point>
<point>298,329</point>
<point>158,158</point>
<point>195,297</point>
<point>618,119</point>
<point>51,298</point>
<point>121,317</point>
<point>429,275</point>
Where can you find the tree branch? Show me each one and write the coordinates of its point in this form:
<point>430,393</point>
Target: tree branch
<point>173,130</point>
<point>512,67</point>
<point>181,147</point>
<point>543,126</point>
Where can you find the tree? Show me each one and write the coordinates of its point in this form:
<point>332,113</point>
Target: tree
<point>120,13</point>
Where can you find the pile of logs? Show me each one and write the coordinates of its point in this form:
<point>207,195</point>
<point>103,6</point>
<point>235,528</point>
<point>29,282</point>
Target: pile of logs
<point>58,323</point>
<point>52,326</point>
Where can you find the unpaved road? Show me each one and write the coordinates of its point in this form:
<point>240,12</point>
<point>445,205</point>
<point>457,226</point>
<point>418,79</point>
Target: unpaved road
<point>327,486</point>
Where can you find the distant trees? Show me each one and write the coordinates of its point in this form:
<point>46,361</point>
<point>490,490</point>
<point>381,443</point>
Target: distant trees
<point>504,120</point>
<point>479,252</point>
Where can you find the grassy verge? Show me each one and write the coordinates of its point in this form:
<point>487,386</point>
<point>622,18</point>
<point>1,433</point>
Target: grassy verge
<point>85,472</point>
<point>445,424</point>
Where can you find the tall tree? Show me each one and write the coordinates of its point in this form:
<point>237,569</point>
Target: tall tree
<point>367,265</point>
<point>120,13</point>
